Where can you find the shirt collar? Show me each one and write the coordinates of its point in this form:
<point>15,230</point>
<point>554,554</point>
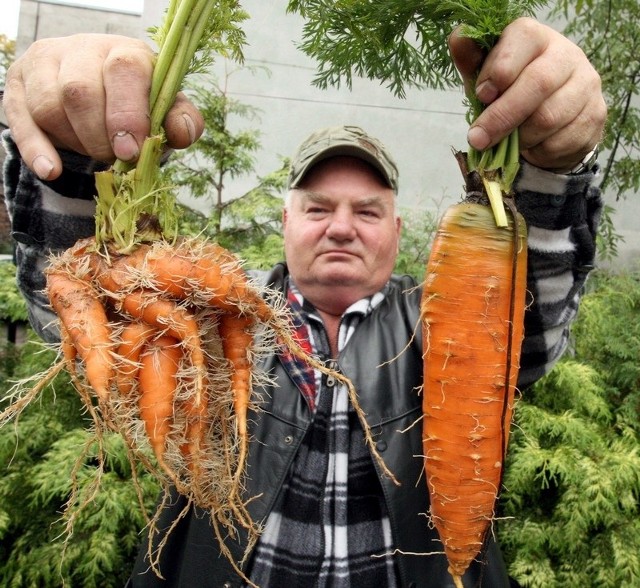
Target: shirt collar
<point>363,307</point>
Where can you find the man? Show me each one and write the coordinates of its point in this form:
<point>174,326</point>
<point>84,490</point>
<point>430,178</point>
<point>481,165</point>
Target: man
<point>330,518</point>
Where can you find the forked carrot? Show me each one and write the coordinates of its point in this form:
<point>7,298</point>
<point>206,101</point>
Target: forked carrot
<point>472,315</point>
<point>169,317</point>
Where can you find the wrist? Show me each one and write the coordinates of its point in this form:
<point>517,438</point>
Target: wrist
<point>585,165</point>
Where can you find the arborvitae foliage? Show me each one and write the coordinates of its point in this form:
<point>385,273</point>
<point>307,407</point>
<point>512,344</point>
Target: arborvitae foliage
<point>608,338</point>
<point>37,455</point>
<point>398,42</point>
<point>572,516</point>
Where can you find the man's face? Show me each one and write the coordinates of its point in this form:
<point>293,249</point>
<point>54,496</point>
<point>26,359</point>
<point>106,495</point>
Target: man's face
<point>341,233</point>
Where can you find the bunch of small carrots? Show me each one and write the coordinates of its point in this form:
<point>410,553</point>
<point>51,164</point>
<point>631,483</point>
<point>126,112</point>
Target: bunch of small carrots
<point>164,345</point>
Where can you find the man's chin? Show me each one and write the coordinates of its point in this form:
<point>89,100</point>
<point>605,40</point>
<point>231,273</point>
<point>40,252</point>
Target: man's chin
<point>341,278</point>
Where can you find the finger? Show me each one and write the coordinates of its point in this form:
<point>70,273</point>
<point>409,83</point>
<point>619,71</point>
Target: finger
<point>35,147</point>
<point>521,43</point>
<point>82,97</point>
<point>523,99</point>
<point>127,72</point>
<point>183,124</point>
<point>549,142</point>
<point>542,81</point>
<point>518,75</point>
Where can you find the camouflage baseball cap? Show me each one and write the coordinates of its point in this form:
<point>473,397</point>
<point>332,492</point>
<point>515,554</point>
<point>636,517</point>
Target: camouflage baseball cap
<point>343,140</point>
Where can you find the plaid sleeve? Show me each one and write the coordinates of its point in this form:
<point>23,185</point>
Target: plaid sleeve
<point>46,217</point>
<point>562,214</point>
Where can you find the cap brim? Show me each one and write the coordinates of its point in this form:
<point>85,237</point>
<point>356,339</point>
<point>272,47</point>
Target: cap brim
<point>346,149</point>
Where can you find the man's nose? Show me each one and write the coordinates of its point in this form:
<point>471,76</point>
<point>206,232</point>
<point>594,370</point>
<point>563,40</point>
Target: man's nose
<point>342,226</point>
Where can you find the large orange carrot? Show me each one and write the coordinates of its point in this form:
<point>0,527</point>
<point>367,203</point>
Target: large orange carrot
<point>157,381</point>
<point>472,316</point>
<point>86,325</point>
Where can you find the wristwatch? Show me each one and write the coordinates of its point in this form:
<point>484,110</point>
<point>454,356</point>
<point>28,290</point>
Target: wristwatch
<point>587,162</point>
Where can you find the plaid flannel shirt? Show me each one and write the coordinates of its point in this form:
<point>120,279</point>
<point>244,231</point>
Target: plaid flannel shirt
<point>329,528</point>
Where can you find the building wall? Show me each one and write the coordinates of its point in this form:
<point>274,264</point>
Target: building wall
<point>53,18</point>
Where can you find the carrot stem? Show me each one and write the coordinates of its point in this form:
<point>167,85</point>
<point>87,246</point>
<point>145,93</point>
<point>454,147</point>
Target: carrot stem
<point>138,208</point>
<point>494,192</point>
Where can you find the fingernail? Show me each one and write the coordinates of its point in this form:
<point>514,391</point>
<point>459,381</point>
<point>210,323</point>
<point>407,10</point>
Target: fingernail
<point>191,128</point>
<point>486,92</point>
<point>125,146</point>
<point>42,165</point>
<point>478,138</point>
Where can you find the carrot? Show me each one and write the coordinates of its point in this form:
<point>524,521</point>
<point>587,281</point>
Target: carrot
<point>157,380</point>
<point>195,410</point>
<point>237,342</point>
<point>167,316</point>
<point>133,339</point>
<point>472,313</point>
<point>69,351</point>
<point>204,270</point>
<point>85,322</point>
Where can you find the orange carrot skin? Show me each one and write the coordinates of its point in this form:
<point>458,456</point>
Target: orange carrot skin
<point>86,324</point>
<point>237,341</point>
<point>157,382</point>
<point>133,339</point>
<point>466,317</point>
<point>195,409</point>
<point>212,272</point>
<point>166,315</point>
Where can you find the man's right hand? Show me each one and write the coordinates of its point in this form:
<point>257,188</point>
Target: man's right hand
<point>89,94</point>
